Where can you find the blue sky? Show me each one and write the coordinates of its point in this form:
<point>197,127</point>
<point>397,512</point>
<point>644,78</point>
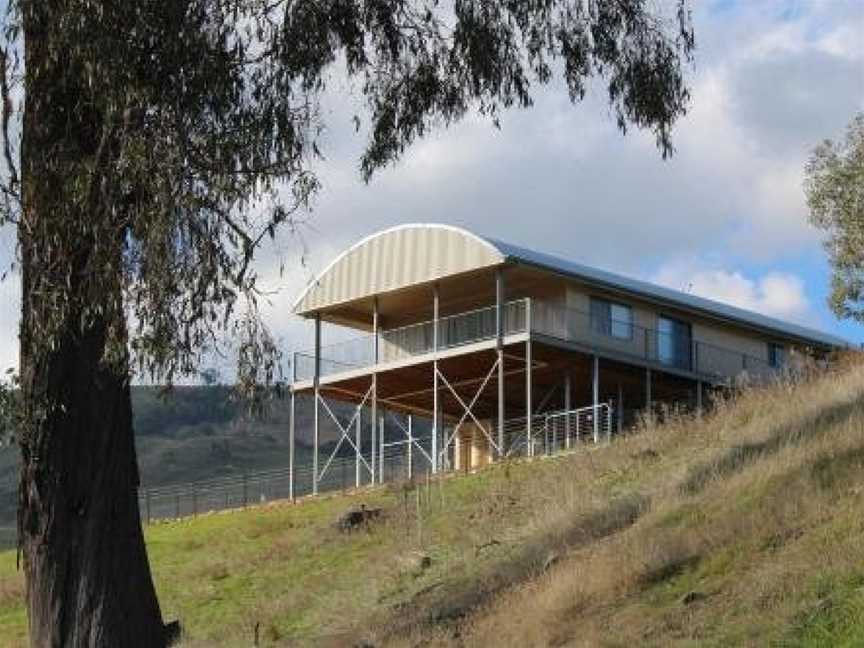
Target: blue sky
<point>725,218</point>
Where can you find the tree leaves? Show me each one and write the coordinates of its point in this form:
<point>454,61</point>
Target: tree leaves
<point>834,186</point>
<point>186,130</point>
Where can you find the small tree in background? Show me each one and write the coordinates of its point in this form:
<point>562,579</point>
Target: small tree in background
<point>835,195</point>
<point>159,144</point>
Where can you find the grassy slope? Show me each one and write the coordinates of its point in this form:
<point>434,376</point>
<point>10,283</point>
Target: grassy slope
<point>742,529</point>
<point>193,434</point>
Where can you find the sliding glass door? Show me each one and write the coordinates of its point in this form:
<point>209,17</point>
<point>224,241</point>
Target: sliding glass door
<point>673,342</point>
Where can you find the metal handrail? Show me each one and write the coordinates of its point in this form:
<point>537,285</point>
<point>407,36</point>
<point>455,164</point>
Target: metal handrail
<point>555,320</point>
<point>514,322</point>
<point>687,357</point>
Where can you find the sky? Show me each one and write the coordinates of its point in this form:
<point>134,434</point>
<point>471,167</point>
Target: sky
<point>725,218</point>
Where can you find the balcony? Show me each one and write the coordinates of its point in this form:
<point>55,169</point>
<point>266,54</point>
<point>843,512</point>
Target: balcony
<point>557,323</point>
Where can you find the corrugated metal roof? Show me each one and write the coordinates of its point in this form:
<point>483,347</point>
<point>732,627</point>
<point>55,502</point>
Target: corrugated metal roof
<point>674,297</point>
<point>420,252</point>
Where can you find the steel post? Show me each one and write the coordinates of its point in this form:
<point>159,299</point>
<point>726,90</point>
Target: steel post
<point>435,415</point>
<point>595,396</point>
<point>316,430</point>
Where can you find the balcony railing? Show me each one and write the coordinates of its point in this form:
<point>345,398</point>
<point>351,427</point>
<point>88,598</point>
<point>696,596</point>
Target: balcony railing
<point>626,338</point>
<point>557,321</point>
<point>413,340</point>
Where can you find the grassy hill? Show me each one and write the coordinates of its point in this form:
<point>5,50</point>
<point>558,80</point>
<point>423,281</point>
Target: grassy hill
<point>191,434</point>
<point>743,528</point>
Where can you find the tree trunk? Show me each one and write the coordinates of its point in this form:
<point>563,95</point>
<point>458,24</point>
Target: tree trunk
<point>87,574</point>
<point>88,578</point>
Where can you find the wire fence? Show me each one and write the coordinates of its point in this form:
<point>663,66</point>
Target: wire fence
<point>399,459</point>
<point>259,487</point>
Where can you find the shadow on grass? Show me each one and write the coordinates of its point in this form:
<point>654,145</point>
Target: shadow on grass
<point>447,605</point>
<point>738,457</point>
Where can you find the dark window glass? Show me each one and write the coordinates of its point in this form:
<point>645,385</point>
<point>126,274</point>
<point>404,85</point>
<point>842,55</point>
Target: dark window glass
<point>776,355</point>
<point>673,342</point>
<point>609,318</point>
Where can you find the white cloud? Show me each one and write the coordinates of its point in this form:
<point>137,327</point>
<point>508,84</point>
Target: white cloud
<point>770,81</point>
<point>10,306</point>
<point>778,294</point>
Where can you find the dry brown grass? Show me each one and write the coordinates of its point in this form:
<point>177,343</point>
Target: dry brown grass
<point>740,529</point>
<point>750,510</point>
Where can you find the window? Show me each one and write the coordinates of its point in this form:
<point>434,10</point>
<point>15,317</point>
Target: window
<point>609,318</point>
<point>673,342</point>
<point>776,355</point>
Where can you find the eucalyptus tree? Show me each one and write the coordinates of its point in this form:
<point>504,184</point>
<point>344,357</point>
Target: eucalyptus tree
<point>835,195</point>
<point>159,144</point>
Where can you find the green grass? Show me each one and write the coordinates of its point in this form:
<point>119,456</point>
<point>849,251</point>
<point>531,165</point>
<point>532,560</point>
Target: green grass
<point>742,529</point>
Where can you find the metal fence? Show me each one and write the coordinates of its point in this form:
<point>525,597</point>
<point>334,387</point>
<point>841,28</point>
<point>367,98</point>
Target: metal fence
<point>397,459</point>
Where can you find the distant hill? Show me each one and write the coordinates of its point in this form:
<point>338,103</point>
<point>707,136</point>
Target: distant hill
<point>192,434</point>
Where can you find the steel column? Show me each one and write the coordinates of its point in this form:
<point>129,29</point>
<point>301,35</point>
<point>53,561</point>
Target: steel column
<point>620,408</point>
<point>435,416</point>
<point>699,398</point>
<point>358,440</point>
<point>316,428</point>
<point>567,406</point>
<point>374,415</point>
<point>381,449</point>
<point>595,396</point>
<point>291,425</point>
<point>648,405</point>
<point>410,447</point>
<point>499,332</point>
<point>529,405</point>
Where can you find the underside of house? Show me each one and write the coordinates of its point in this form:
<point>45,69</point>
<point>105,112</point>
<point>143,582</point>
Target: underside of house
<point>467,350</point>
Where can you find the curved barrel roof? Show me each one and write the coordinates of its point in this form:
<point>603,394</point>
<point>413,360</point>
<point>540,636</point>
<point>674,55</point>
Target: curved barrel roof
<point>416,254</point>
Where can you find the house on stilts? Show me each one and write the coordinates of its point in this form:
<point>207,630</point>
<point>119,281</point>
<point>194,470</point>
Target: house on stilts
<point>470,350</point>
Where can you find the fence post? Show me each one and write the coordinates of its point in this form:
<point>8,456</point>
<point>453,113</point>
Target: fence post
<point>147,496</point>
<point>194,502</point>
<point>177,504</point>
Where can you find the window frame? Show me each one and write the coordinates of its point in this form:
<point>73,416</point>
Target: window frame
<point>607,324</point>
<point>773,349</point>
<point>673,362</point>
